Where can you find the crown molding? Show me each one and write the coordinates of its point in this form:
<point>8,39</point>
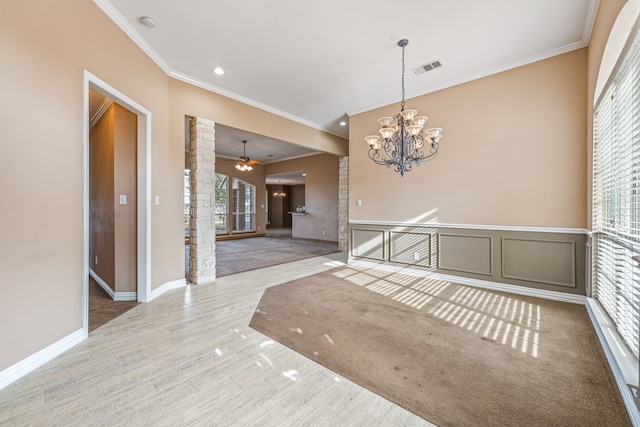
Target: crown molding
<point>128,29</point>
<point>470,77</point>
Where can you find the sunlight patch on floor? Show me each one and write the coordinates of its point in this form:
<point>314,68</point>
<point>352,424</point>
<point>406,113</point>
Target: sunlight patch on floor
<point>498,318</point>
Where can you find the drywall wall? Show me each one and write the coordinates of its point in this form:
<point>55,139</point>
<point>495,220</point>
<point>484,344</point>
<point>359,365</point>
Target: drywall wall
<point>321,195</point>
<point>101,200</point>
<point>112,173</point>
<point>513,153</point>
<point>48,45</point>
<point>125,143</point>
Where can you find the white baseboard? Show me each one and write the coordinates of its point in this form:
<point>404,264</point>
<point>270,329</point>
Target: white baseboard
<point>167,287</point>
<point>125,296</point>
<point>622,363</point>
<point>485,284</point>
<point>33,362</point>
<point>116,296</point>
<point>102,283</point>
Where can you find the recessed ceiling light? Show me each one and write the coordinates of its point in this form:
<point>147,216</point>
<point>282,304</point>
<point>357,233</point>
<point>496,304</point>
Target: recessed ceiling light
<point>343,123</point>
<point>304,174</point>
<point>219,71</point>
<point>147,22</point>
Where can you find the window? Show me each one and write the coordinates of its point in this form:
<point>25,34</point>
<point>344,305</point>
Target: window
<point>616,201</point>
<point>243,206</point>
<point>222,201</point>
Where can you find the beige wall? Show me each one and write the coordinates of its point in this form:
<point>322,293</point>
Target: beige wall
<point>112,172</point>
<point>125,143</point>
<point>297,196</point>
<point>101,200</point>
<point>513,153</point>
<point>48,44</point>
<point>321,195</point>
<point>607,14</point>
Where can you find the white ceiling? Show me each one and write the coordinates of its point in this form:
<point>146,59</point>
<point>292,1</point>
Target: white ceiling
<point>317,62</point>
<point>267,150</point>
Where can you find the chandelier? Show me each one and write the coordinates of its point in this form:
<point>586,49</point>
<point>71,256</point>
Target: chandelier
<point>404,142</point>
<point>244,167</point>
<point>279,194</point>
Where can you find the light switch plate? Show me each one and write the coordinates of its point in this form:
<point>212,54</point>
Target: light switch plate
<point>123,199</point>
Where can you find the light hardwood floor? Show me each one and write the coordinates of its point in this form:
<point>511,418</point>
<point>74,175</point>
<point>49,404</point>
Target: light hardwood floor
<point>189,358</point>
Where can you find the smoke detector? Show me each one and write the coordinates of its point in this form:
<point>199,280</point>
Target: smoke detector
<point>147,22</point>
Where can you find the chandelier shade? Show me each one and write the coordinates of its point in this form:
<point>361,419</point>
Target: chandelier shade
<point>403,142</point>
<point>244,167</point>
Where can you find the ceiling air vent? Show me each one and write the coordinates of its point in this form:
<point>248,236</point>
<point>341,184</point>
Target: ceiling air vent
<point>427,67</point>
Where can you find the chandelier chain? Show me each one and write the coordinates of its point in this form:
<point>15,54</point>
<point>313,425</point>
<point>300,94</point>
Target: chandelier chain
<point>402,103</point>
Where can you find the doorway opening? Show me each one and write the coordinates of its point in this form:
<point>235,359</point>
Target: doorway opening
<point>135,200</point>
<point>285,198</point>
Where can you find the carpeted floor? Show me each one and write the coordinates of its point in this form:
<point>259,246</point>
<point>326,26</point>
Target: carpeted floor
<point>235,256</point>
<point>454,355</point>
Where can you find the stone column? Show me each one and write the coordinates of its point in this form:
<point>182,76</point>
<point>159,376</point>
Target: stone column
<point>343,204</point>
<point>202,246</point>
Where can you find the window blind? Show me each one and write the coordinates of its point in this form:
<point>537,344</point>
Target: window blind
<point>616,199</point>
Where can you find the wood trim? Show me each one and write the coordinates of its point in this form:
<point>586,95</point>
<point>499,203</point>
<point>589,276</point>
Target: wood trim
<point>473,226</point>
<point>622,363</point>
<point>175,284</point>
<point>532,279</point>
<point>483,273</point>
<point>34,361</point>
<point>383,245</point>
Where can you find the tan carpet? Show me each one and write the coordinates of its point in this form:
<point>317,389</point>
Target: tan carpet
<point>454,355</point>
<point>236,256</point>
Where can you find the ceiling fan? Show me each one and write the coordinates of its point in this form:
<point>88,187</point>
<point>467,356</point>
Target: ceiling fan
<point>245,164</point>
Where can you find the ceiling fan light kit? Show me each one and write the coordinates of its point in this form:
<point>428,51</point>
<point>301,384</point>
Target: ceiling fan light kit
<point>404,142</point>
<point>245,163</point>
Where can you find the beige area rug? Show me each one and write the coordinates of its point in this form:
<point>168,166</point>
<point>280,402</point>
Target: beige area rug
<point>454,355</point>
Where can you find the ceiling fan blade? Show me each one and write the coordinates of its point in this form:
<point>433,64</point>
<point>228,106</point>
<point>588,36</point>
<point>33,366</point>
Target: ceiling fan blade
<point>255,162</point>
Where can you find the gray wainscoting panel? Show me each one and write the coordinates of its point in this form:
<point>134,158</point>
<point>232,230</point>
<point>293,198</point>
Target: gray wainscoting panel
<point>465,253</point>
<point>410,248</point>
<point>541,261</point>
<point>368,244</point>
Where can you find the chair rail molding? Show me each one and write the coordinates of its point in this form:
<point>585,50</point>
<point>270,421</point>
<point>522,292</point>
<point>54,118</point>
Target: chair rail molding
<point>473,226</point>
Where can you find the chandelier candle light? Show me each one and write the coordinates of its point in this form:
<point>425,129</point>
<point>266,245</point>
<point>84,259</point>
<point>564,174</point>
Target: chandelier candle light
<point>404,141</point>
